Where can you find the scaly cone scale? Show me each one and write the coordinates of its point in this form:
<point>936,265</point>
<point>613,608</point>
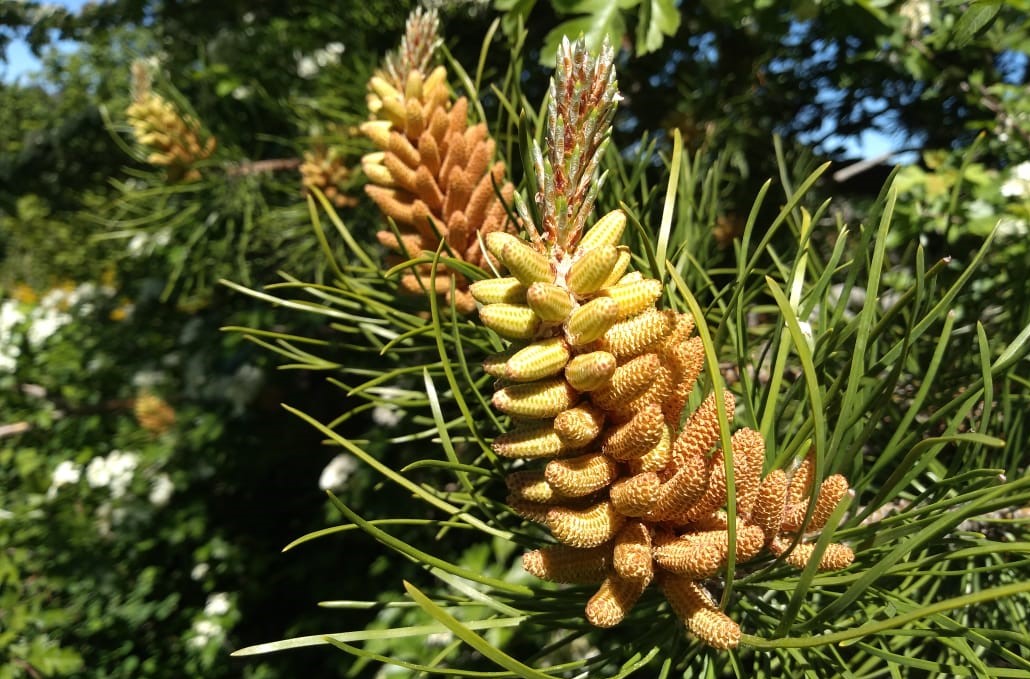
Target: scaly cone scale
<point>434,174</point>
<point>598,379</point>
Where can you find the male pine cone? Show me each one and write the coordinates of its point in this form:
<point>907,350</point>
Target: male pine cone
<point>434,174</point>
<point>597,381</point>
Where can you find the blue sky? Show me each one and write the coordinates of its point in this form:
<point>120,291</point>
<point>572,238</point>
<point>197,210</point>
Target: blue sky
<point>19,59</point>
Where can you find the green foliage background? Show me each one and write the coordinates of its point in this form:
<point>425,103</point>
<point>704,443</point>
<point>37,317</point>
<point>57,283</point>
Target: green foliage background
<point>887,328</point>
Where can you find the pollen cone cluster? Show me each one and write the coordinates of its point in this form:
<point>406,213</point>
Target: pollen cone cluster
<point>324,169</point>
<point>171,137</point>
<point>434,174</point>
<point>633,488</point>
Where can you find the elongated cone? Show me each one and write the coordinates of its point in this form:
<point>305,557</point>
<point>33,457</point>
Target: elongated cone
<point>590,527</point>
<point>800,486</point>
<point>702,617</point>
<point>581,475</point>
<point>683,490</point>
<point>536,400</point>
<point>656,459</point>
<point>614,601</point>
<point>635,495</point>
<point>634,438</point>
<point>587,323</point>
<point>578,426</point>
<point>591,371</point>
<point>836,556</point>
<point>530,441</point>
<point>512,321</point>
<point>496,365</point>
<point>627,382</point>
<point>526,264</point>
<point>621,264</point>
<point>550,302</point>
<point>632,298</point>
<point>607,231</point>
<point>831,490</point>
<point>538,360</point>
<point>560,563</point>
<point>496,290</point>
<point>531,511</point>
<point>377,130</point>
<point>530,484</point>
<point>633,336</point>
<point>768,510</point>
<point>631,556</point>
<point>702,555</point>
<point>592,269</point>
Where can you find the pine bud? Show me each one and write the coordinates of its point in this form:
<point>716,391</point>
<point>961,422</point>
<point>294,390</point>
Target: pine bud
<point>631,556</point>
<point>635,335</point>
<point>530,485</point>
<point>635,495</point>
<point>695,607</point>
<point>525,263</point>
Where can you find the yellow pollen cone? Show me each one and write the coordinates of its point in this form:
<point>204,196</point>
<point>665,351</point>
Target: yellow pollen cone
<point>633,336</point>
<point>592,269</point>
<point>588,372</point>
<point>590,321</point>
<point>529,441</point>
<point>581,475</point>
<point>497,290</point>
<point>610,605</point>
<point>536,400</point>
<point>695,607</point>
<point>607,231</point>
<point>632,298</point>
<point>512,321</point>
<point>559,563</point>
<point>631,556</point>
<point>619,269</point>
<point>768,510</point>
<point>526,264</point>
<point>551,302</point>
<point>635,495</point>
<point>579,426</point>
<point>590,527</point>
<point>530,484</point>
<point>538,360</point>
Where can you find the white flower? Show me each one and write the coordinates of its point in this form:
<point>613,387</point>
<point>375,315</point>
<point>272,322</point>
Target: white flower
<point>161,490</point>
<point>307,67</point>
<point>1011,227</point>
<point>97,473</point>
<point>336,473</point>
<point>386,416</point>
<point>1013,188</point>
<point>147,378</point>
<point>1022,171</point>
<point>979,208</point>
<point>45,325</point>
<point>121,466</point>
<point>241,92</point>
<point>138,244</point>
<point>217,604</point>
<point>248,17</point>
<point>64,474</point>
<point>10,316</point>
<point>199,571</point>
<point>205,631</point>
